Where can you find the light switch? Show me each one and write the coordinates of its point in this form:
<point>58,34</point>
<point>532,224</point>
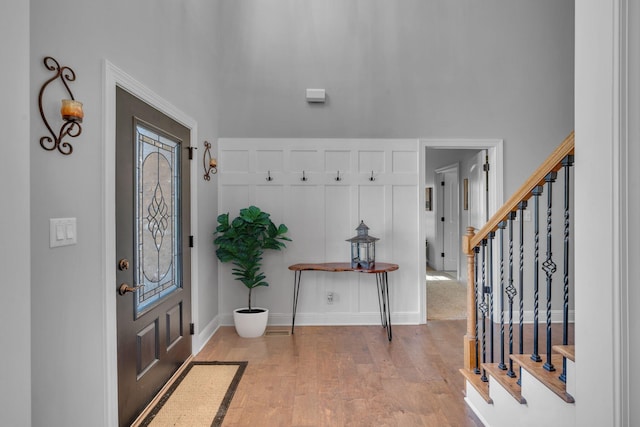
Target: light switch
<point>62,232</point>
<point>71,231</point>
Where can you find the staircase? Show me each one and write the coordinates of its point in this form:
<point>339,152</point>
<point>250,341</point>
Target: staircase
<point>508,382</point>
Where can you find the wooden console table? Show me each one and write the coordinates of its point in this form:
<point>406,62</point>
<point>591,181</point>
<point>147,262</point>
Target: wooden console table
<point>380,269</point>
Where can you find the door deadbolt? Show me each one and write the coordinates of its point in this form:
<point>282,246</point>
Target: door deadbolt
<point>123,264</point>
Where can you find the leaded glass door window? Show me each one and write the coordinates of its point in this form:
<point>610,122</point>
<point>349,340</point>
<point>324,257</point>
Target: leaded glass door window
<point>158,216</point>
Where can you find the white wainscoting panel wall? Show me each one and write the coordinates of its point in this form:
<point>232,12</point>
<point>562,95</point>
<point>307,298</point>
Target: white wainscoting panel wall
<point>321,213</point>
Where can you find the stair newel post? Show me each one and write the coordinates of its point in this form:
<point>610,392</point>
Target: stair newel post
<point>471,337</point>
<point>567,162</point>
<point>537,191</point>
<point>489,291</point>
<point>501,226</point>
<point>521,207</point>
<point>476,251</point>
<point>511,292</point>
<point>549,266</point>
<point>483,308</point>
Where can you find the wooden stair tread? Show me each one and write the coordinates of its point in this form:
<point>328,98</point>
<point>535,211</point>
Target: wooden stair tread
<point>550,379</point>
<point>509,384</point>
<point>568,351</point>
<point>481,386</point>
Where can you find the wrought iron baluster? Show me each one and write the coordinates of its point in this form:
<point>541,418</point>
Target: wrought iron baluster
<point>549,266</point>
<point>536,231</point>
<point>521,207</point>
<point>489,291</point>
<point>511,292</point>
<point>501,226</point>
<point>476,251</point>
<point>567,162</point>
<point>483,309</point>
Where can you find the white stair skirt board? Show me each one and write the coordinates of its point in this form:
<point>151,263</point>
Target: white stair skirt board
<point>543,407</point>
<point>571,378</point>
<point>549,409</point>
<point>478,405</point>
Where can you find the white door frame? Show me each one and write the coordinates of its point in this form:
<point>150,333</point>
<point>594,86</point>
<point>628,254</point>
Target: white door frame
<point>496,181</point>
<point>113,77</point>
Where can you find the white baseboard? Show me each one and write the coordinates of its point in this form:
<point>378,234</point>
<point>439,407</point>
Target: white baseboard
<point>332,319</point>
<point>203,336</point>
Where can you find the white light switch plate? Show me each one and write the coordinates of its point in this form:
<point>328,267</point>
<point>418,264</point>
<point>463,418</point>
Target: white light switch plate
<point>62,232</point>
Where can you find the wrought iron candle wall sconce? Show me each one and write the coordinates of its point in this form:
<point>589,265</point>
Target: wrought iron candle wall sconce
<point>209,162</point>
<point>71,110</point>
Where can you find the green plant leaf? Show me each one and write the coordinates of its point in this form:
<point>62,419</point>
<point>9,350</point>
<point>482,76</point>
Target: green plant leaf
<point>243,242</point>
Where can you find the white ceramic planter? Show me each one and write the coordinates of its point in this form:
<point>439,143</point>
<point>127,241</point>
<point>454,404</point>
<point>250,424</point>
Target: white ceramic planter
<point>250,325</point>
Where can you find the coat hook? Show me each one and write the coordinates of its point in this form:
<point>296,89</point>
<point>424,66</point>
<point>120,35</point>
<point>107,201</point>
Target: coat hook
<point>372,178</point>
<point>269,178</point>
<point>337,178</point>
<point>304,178</point>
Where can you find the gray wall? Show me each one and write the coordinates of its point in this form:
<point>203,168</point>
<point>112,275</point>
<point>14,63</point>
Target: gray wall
<point>15,320</point>
<point>399,69</point>
<point>607,82</point>
<point>632,297</point>
<point>392,69</point>
<point>170,47</point>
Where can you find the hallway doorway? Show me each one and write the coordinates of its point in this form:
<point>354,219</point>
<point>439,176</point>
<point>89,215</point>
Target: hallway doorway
<point>471,192</point>
<point>446,296</point>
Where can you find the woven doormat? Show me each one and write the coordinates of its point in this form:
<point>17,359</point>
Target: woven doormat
<point>200,396</point>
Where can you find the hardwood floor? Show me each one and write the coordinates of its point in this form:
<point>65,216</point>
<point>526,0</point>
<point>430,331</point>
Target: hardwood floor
<point>348,376</point>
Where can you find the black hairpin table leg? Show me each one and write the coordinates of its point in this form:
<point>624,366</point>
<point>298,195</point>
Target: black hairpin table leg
<point>296,291</point>
<point>383,281</point>
<point>383,318</point>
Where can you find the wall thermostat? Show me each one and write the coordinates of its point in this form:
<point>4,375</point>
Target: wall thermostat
<point>316,95</point>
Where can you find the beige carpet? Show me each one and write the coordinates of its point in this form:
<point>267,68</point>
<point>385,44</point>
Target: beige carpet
<point>446,297</point>
<point>199,397</point>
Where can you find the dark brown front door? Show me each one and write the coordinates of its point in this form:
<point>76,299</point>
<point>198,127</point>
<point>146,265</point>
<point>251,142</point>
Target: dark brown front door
<point>152,234</point>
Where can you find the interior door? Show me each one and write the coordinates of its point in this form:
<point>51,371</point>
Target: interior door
<point>152,246</point>
<point>450,220</point>
<point>477,196</point>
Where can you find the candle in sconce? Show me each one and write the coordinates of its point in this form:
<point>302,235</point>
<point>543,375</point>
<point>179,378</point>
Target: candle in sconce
<point>71,110</point>
<point>213,163</point>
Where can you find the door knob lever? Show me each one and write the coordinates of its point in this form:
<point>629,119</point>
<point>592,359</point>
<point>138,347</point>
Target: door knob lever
<point>124,288</point>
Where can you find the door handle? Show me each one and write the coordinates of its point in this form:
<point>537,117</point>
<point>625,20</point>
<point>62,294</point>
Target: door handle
<point>124,288</point>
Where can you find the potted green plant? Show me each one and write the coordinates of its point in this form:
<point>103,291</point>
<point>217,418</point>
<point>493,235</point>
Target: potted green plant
<point>242,242</point>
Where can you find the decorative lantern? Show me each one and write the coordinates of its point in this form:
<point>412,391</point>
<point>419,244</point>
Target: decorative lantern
<point>363,248</point>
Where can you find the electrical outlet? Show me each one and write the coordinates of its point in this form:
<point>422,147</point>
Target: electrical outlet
<point>330,297</point>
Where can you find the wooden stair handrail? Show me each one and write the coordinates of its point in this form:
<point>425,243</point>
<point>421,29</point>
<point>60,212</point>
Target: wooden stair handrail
<point>553,163</point>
